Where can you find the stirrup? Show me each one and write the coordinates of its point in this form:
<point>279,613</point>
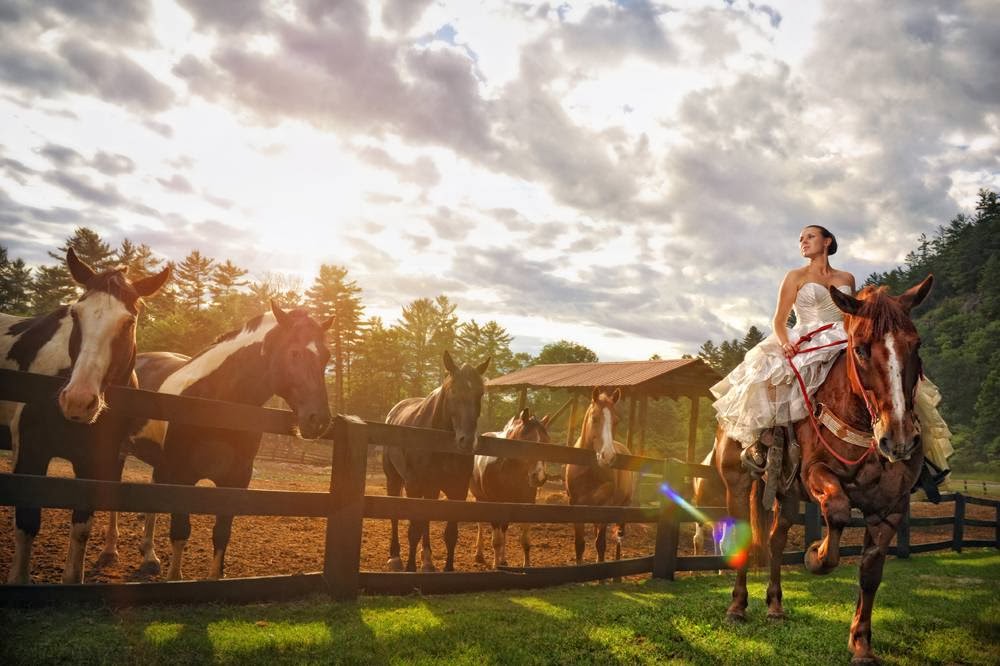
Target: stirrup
<point>772,475</point>
<point>753,459</point>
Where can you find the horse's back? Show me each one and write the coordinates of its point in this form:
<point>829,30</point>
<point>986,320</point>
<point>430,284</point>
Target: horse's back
<point>405,412</point>
<point>153,368</point>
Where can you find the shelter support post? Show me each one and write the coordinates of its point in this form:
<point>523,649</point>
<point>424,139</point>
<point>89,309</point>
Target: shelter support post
<point>692,427</point>
<point>631,422</point>
<point>643,405</point>
<point>342,558</point>
<point>571,426</point>
<point>522,399</point>
<point>668,525</point>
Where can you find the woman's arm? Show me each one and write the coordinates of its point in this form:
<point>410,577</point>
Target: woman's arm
<point>786,296</point>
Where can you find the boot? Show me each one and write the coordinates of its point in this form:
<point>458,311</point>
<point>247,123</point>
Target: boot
<point>772,470</point>
<point>754,457</point>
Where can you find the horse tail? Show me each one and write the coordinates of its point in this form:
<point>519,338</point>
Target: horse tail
<point>758,524</point>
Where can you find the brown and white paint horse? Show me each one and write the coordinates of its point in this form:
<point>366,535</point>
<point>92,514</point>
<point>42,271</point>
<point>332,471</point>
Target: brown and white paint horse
<point>454,406</point>
<point>277,353</point>
<point>870,387</point>
<point>92,343</point>
<point>600,485</point>
<point>509,480</point>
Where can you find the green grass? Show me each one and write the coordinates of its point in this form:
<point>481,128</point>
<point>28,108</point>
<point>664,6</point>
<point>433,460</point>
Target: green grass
<point>930,609</point>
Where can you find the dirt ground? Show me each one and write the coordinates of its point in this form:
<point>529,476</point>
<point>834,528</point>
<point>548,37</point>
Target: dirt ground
<point>263,546</point>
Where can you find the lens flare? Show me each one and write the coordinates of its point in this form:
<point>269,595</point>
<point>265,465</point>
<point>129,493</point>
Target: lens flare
<point>736,535</point>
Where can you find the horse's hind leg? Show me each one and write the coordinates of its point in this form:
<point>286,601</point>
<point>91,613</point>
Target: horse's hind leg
<point>822,557</point>
<point>578,541</point>
<point>738,484</point>
<point>878,536</point>
<point>526,543</point>
<point>480,528</point>
<point>393,488</point>
<point>221,533</point>
<point>500,544</point>
<point>150,562</point>
<point>109,555</point>
<point>783,519</point>
<point>79,535</point>
<point>601,542</point>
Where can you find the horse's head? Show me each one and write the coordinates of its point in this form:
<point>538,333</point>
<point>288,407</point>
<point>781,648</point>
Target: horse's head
<point>463,394</point>
<point>599,424</point>
<point>884,363</point>
<point>526,427</point>
<point>102,338</point>
<point>296,356</point>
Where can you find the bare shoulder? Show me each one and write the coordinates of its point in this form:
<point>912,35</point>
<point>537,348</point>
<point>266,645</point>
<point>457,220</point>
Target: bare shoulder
<point>846,277</point>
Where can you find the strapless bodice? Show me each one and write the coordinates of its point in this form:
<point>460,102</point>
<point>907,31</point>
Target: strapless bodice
<point>813,305</point>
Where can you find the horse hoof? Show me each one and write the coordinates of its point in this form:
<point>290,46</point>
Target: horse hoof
<point>776,616</point>
<point>150,568</point>
<point>865,661</point>
<point>428,567</point>
<point>480,559</point>
<point>736,617</point>
<point>107,559</point>
<point>813,562</point>
<point>395,564</point>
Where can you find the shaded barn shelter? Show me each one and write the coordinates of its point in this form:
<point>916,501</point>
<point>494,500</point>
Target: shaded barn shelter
<point>639,381</point>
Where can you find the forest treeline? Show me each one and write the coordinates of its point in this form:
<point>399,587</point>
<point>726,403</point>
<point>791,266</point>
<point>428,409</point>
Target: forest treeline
<point>959,327</point>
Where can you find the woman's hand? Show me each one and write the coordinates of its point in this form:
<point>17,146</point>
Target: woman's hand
<point>788,349</point>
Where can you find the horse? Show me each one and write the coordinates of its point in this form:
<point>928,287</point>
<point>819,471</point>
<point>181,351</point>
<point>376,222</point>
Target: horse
<point>509,480</point>
<point>709,491</point>
<point>867,396</point>
<point>454,406</point>
<point>600,485</point>
<point>276,353</point>
<point>92,343</point>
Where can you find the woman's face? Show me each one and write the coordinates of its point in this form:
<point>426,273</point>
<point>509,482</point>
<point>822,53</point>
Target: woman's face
<point>811,242</point>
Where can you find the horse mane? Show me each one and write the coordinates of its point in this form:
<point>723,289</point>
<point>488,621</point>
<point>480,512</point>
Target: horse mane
<point>879,315</point>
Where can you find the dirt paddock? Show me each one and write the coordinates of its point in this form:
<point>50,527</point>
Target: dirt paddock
<point>279,545</point>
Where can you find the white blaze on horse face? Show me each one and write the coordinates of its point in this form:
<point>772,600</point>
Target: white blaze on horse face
<point>895,384</point>
<point>209,361</point>
<point>607,451</point>
<point>100,318</point>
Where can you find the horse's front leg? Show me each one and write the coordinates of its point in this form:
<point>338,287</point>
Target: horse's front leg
<point>480,528</point>
<point>109,555</point>
<point>79,535</point>
<point>783,519</point>
<point>878,536</point>
<point>526,543</point>
<point>823,556</point>
<point>150,562</point>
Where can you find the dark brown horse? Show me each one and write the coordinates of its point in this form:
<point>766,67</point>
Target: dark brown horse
<point>454,406</point>
<point>509,480</point>
<point>600,485</point>
<point>870,388</point>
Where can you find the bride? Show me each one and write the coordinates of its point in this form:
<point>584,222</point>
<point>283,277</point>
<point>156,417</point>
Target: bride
<point>761,395</point>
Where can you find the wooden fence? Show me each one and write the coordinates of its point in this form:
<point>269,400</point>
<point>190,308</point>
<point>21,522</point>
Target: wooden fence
<point>345,507</point>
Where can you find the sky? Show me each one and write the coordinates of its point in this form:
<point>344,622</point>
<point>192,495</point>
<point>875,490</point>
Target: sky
<point>628,175</point>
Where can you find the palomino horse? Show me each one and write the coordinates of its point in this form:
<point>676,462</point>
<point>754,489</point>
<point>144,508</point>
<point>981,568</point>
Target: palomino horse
<point>509,480</point>
<point>278,353</point>
<point>600,485</point>
<point>453,406</point>
<point>870,391</point>
<point>709,491</point>
<point>92,342</point>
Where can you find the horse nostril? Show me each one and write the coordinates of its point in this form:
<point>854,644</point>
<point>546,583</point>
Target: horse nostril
<point>92,404</point>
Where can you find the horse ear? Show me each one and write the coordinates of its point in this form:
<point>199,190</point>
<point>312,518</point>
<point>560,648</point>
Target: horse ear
<point>525,415</point>
<point>327,324</point>
<point>78,268</point>
<point>481,368</point>
<point>449,363</point>
<point>915,295</point>
<point>595,394</point>
<point>845,302</point>
<point>616,396</point>
<point>279,314</point>
<point>148,286</point>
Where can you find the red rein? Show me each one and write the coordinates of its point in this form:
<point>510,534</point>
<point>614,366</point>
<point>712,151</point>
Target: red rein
<point>809,407</point>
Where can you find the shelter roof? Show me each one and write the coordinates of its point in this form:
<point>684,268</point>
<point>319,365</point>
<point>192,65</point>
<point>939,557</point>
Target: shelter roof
<point>665,378</point>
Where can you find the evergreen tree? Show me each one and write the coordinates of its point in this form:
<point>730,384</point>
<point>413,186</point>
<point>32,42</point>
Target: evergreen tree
<point>332,295</point>
<point>226,280</point>
<point>427,328</point>
<point>192,277</point>
<point>53,286</point>
<point>565,351</point>
<point>89,247</point>
<point>138,259</point>
<point>15,285</point>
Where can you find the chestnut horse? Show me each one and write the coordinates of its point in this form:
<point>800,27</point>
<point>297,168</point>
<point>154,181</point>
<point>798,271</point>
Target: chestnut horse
<point>509,480</point>
<point>92,344</point>
<point>870,388</point>
<point>600,485</point>
<point>454,406</point>
<point>709,491</point>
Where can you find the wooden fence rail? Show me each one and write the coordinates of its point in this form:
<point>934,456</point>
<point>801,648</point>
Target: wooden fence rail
<point>345,506</point>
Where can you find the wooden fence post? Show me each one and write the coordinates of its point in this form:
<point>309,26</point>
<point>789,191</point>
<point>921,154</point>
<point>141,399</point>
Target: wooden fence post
<point>996,536</point>
<point>814,523</point>
<point>958,534</point>
<point>668,526</point>
<point>903,534</point>
<point>342,559</point>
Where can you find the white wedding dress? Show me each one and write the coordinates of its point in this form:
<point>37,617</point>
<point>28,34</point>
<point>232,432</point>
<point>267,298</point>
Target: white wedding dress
<point>762,392</point>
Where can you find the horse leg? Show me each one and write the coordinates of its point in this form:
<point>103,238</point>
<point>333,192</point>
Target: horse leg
<point>221,533</point>
<point>499,545</point>
<point>601,542</point>
<point>180,532</point>
<point>450,541</point>
<point>738,485</point>
<point>579,541</point>
<point>27,520</point>
<point>150,562</point>
<point>783,519</point>
<point>109,555</point>
<point>823,556</point>
<point>480,528</point>
<point>698,542</point>
<point>878,536</point>
<point>393,488</point>
<point>79,534</point>
<point>526,543</point>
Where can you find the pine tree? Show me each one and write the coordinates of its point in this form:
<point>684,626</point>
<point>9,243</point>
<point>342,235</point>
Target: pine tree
<point>15,285</point>
<point>427,328</point>
<point>226,280</point>
<point>138,259</point>
<point>332,295</point>
<point>90,247</point>
<point>192,278</point>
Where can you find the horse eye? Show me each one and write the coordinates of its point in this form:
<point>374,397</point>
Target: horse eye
<point>861,351</point>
